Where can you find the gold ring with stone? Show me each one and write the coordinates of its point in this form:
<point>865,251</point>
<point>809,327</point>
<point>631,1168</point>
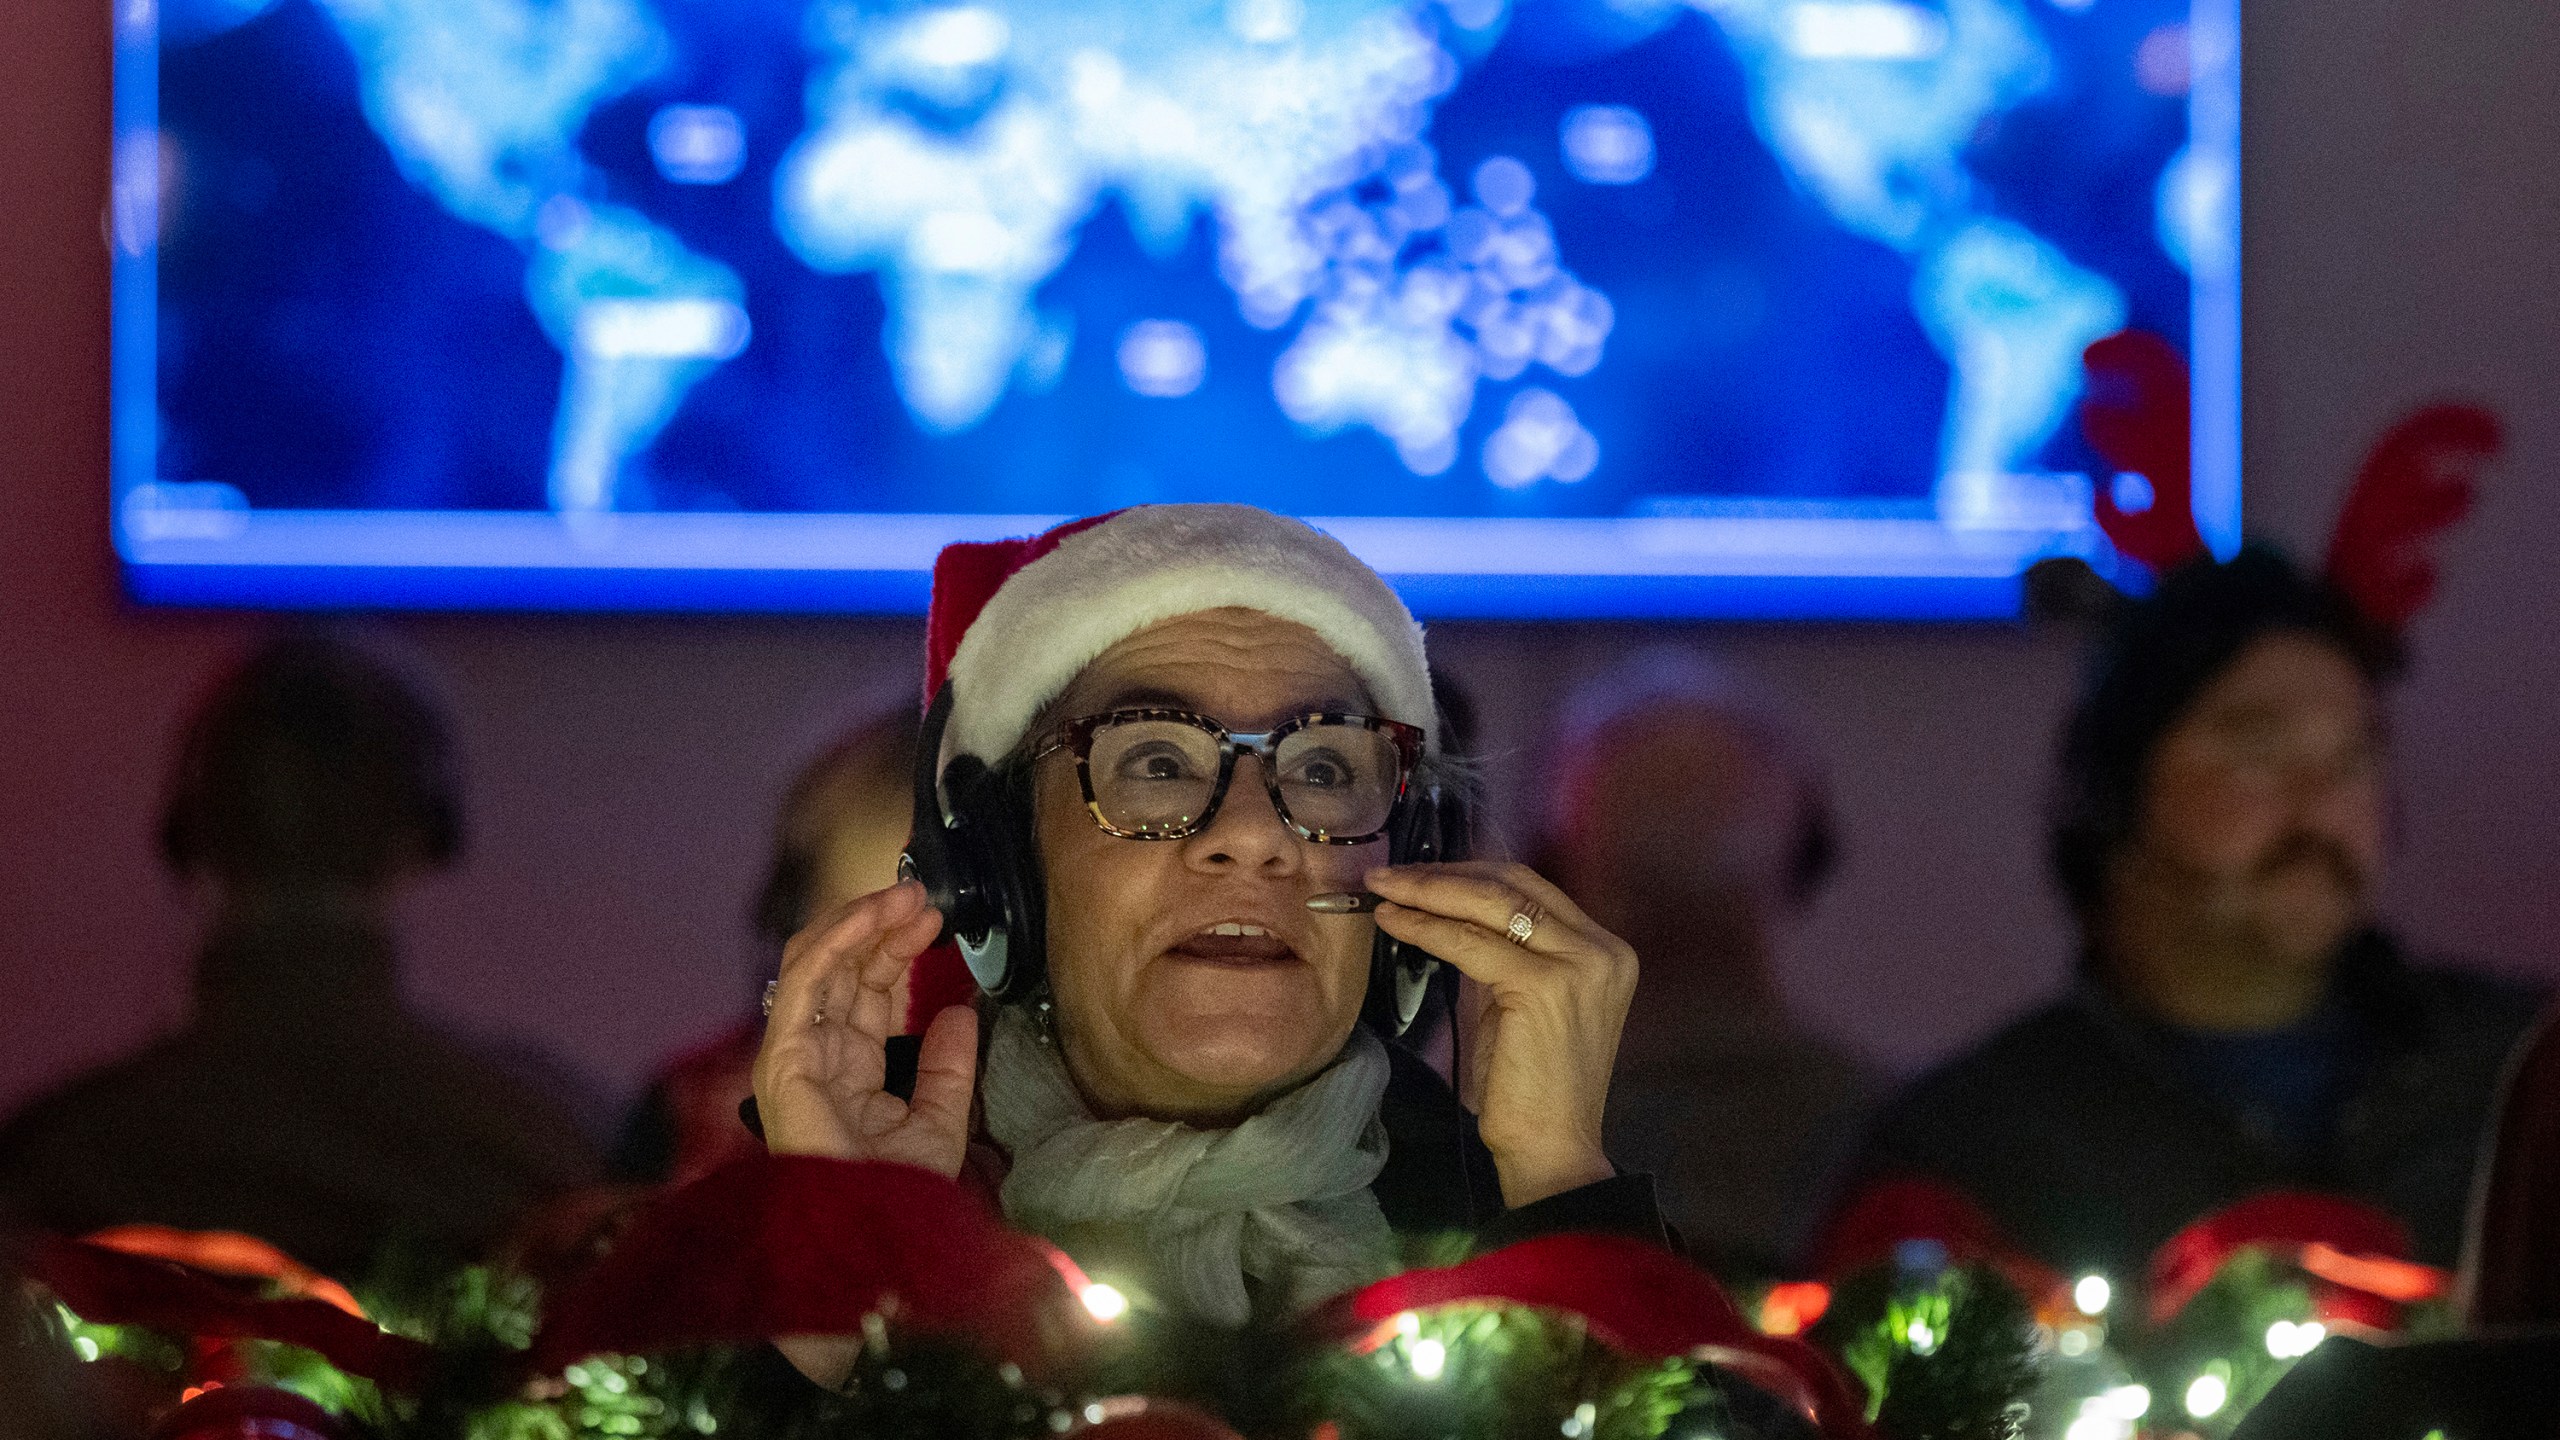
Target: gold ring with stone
<point>1524,923</point>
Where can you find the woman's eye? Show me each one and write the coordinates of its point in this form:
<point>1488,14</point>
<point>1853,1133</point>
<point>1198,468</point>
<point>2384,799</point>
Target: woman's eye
<point>1324,772</point>
<point>1154,763</point>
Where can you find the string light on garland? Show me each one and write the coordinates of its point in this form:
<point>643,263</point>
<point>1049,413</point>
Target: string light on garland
<point>2091,1295</point>
<point>1104,1302</point>
<point>2208,1393</point>
<point>2110,1414</point>
<point>483,1355</point>
<point>1468,1368</point>
<point>2289,1341</point>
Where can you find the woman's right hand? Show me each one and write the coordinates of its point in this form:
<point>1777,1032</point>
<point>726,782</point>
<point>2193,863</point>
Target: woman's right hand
<point>826,1055</point>
<point>818,1078</point>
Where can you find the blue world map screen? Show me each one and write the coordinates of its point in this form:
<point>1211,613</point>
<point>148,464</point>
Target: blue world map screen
<point>1548,308</point>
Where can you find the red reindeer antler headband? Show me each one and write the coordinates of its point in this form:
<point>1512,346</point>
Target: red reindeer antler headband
<point>2416,482</point>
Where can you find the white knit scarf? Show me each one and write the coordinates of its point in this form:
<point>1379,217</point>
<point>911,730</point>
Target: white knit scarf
<point>1277,1208</point>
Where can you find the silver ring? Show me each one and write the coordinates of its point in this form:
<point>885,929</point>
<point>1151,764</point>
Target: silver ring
<point>1524,923</point>
<point>771,989</point>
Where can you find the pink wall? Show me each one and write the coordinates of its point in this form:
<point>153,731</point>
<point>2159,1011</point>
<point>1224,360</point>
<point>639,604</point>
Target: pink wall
<point>2404,241</point>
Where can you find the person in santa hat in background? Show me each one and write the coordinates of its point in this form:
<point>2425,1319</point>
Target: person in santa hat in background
<point>1190,722</point>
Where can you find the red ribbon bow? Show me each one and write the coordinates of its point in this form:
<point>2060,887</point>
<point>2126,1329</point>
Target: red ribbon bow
<point>110,1287</point>
<point>1636,1297</point>
<point>2356,1255</point>
<point>798,1245</point>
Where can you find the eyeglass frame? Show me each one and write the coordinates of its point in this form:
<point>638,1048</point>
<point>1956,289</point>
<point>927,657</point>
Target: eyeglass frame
<point>1077,736</point>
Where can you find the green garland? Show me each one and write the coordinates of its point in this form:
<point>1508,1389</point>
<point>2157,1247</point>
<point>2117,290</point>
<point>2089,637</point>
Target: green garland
<point>1957,1353</point>
<point>1507,1373</point>
<point>1943,1353</point>
<point>2244,1331</point>
<point>1944,1357</point>
<point>1946,1353</point>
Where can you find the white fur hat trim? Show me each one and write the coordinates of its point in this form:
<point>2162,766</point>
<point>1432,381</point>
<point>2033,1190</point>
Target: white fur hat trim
<point>1058,614</point>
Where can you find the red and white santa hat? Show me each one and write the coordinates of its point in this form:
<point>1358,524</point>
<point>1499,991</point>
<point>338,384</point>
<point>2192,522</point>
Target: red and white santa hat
<point>1013,622</point>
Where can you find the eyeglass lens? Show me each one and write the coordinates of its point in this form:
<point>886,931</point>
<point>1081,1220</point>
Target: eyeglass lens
<point>1156,776</point>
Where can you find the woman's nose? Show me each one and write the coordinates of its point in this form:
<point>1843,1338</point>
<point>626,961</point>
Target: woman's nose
<point>1247,829</point>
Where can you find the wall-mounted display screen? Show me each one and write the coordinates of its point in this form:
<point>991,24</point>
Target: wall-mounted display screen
<point>1547,307</point>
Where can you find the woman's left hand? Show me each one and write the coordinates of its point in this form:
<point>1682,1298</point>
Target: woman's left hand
<point>1556,1002</point>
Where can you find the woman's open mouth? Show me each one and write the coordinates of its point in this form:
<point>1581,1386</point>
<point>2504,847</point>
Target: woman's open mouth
<point>1235,943</point>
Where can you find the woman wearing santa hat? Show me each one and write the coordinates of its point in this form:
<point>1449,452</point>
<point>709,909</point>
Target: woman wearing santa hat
<point>1170,753</point>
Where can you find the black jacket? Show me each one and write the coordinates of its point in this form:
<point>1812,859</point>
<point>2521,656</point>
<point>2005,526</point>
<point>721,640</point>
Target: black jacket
<point>2076,1130</point>
<point>305,1105</point>
<point>1439,1176</point>
<point>2481,1387</point>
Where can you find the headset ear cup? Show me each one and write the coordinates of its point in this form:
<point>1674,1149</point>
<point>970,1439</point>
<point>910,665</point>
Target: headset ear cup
<point>939,851</point>
<point>993,828</point>
<point>1431,829</point>
<point>977,862</point>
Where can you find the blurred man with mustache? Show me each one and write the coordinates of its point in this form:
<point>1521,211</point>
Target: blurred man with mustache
<point>2241,1023</point>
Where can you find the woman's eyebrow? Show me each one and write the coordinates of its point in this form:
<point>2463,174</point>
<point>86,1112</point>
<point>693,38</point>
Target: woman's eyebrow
<point>1150,697</point>
<point>1147,697</point>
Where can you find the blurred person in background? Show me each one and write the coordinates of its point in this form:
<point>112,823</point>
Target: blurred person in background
<point>303,1103</point>
<point>2241,1021</point>
<point>1684,816</point>
<point>842,826</point>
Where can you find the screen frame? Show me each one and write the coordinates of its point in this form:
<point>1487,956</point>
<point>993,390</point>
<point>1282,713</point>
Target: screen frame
<point>186,546</point>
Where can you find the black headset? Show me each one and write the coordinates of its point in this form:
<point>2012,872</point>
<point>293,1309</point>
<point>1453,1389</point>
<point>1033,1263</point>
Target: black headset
<point>971,847</point>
